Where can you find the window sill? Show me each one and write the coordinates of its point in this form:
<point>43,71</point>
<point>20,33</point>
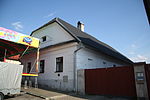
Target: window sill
<point>41,73</point>
<point>58,71</point>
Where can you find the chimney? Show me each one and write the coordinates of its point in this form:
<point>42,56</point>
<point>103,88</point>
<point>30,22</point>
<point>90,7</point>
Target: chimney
<point>80,26</point>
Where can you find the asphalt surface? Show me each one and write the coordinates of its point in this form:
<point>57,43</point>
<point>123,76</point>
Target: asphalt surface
<point>57,95</point>
<point>22,97</point>
<point>68,97</point>
<point>40,94</point>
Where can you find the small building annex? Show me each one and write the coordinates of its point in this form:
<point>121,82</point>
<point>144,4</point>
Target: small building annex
<point>64,49</point>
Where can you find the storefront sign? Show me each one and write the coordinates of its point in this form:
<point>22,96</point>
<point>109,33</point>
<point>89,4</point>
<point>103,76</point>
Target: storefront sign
<point>16,37</point>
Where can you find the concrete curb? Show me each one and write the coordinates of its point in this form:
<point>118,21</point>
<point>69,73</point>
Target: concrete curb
<point>36,95</point>
<point>46,98</point>
<point>56,97</point>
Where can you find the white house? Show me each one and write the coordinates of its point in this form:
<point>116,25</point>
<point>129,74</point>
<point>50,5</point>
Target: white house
<point>64,49</point>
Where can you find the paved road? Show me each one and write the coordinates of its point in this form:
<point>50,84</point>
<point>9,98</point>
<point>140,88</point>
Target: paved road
<point>57,96</point>
<point>61,97</point>
<point>23,97</point>
<point>53,95</point>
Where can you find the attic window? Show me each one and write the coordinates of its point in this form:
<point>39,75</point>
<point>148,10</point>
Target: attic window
<point>43,38</point>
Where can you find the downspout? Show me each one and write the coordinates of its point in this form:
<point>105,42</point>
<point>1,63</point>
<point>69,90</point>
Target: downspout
<point>75,83</point>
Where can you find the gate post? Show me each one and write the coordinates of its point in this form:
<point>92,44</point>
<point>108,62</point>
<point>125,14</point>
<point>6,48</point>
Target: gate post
<point>81,81</point>
<point>140,81</point>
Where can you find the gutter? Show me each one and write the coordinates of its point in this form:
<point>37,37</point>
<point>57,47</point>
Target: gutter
<point>75,83</point>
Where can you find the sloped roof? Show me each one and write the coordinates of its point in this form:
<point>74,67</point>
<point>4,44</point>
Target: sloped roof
<point>88,40</point>
<point>147,8</point>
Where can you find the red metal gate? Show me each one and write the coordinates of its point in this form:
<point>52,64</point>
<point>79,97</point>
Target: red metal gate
<point>116,81</point>
<point>147,71</point>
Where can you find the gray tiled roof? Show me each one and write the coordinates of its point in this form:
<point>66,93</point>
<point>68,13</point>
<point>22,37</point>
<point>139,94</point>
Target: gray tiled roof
<point>88,40</point>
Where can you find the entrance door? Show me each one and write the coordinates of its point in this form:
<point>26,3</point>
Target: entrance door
<point>28,67</point>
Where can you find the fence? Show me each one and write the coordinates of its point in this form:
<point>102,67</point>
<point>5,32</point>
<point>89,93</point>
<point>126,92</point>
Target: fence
<point>115,81</point>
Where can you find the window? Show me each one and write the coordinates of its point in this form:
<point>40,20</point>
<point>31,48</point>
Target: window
<point>90,59</point>
<point>104,62</point>
<point>28,67</point>
<point>114,65</point>
<point>43,38</point>
<point>59,64</point>
<point>42,64</point>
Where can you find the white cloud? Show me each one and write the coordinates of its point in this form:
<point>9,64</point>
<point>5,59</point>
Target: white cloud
<point>140,58</point>
<point>131,52</point>
<point>18,26</point>
<point>132,49</point>
<point>133,46</point>
<point>134,53</point>
<point>50,15</point>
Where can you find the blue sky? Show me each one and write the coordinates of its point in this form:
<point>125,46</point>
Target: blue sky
<point>122,24</point>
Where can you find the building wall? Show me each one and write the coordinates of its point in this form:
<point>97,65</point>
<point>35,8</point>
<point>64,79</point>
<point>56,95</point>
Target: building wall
<point>84,59</point>
<point>29,58</point>
<point>54,34</point>
<point>90,59</point>
<point>50,78</point>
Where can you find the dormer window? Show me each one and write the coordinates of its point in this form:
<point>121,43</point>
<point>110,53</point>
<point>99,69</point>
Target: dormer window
<point>43,38</point>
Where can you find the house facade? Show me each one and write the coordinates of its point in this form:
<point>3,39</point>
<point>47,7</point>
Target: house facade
<point>63,50</point>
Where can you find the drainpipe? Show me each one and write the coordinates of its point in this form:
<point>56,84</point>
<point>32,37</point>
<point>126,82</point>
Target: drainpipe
<point>75,67</point>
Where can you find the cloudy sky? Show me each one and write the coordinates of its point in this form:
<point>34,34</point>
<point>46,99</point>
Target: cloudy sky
<point>122,24</point>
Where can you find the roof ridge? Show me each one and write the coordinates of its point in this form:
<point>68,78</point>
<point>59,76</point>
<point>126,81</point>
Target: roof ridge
<point>80,34</point>
<point>51,21</point>
<point>88,34</point>
<point>87,39</point>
